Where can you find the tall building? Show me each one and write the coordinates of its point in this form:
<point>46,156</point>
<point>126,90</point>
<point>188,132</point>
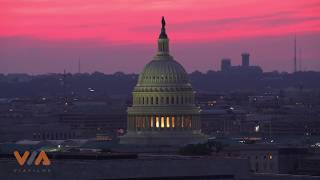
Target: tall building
<point>245,59</point>
<point>225,64</point>
<point>163,110</point>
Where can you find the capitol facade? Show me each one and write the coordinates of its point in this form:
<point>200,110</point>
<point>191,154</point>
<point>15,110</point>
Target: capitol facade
<point>163,111</point>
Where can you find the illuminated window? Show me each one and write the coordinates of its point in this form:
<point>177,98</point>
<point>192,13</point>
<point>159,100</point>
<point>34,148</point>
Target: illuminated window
<point>182,121</point>
<point>257,128</point>
<point>172,123</point>
<point>157,122</point>
<point>168,122</point>
<point>162,122</point>
<point>151,121</point>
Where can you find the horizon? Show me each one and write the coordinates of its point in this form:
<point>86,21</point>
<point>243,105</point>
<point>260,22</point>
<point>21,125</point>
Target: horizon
<point>40,37</point>
<point>137,73</point>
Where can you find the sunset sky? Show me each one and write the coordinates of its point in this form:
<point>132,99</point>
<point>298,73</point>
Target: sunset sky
<point>43,36</point>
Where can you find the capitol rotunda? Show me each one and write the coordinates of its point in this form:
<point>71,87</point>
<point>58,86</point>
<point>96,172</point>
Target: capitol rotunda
<point>163,111</point>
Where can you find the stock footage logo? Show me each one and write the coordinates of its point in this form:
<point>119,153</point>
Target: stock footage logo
<point>32,162</point>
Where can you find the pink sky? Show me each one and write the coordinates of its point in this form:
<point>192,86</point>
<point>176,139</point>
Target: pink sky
<point>41,36</point>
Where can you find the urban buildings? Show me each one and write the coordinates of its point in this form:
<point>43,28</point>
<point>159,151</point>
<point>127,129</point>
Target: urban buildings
<point>261,124</point>
<point>244,68</point>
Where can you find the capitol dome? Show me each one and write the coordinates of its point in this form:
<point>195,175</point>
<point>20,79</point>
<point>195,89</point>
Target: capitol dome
<point>163,72</point>
<point>163,110</point>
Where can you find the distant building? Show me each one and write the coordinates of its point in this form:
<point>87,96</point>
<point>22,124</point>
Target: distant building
<point>50,121</point>
<point>264,158</point>
<point>219,122</point>
<point>225,64</point>
<point>94,119</point>
<point>310,165</point>
<point>245,59</point>
<point>245,67</point>
<point>264,101</point>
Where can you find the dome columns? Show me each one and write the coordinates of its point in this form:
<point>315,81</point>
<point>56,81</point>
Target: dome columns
<point>163,98</point>
<point>163,47</point>
<point>144,123</point>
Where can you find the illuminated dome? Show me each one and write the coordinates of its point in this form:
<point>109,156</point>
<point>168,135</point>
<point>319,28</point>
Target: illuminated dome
<point>166,71</point>
<point>163,111</point>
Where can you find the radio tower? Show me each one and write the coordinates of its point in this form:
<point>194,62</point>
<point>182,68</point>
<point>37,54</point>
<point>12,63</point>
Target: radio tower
<point>300,59</point>
<point>295,53</point>
<point>79,66</point>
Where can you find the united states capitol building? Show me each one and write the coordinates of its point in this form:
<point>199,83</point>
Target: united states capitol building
<point>163,110</point>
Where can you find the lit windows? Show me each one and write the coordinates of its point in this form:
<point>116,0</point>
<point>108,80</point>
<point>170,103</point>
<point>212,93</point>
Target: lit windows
<point>157,122</point>
<point>165,122</point>
<point>270,157</point>
<point>151,121</point>
<point>182,121</point>
<point>172,123</point>
<point>162,122</point>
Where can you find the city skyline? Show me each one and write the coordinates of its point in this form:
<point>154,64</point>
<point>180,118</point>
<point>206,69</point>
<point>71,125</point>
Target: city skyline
<point>159,89</point>
<point>42,36</point>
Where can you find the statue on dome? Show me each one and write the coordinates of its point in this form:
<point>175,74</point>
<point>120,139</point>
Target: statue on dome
<point>163,22</point>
